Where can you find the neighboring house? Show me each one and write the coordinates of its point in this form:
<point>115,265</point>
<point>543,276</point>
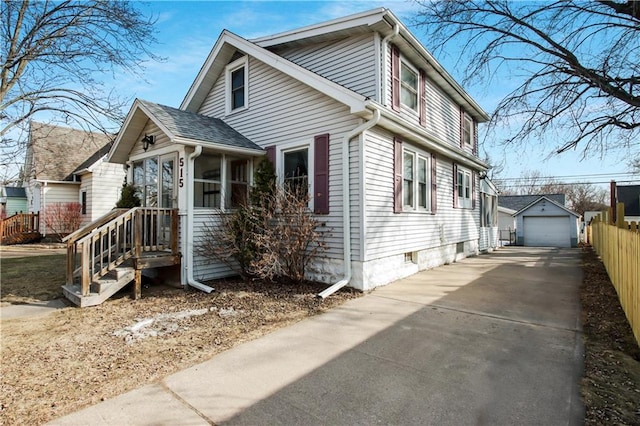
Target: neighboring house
<point>65,165</point>
<point>13,200</point>
<point>630,196</point>
<point>489,222</point>
<point>358,111</point>
<point>546,223</point>
<point>506,221</point>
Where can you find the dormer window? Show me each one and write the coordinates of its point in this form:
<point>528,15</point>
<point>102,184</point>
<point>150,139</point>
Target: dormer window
<point>237,85</point>
<point>408,86</point>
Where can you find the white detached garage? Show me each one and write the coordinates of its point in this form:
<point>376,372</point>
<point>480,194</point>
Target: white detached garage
<point>545,223</point>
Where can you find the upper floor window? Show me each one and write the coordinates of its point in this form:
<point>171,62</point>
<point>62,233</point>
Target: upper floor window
<point>237,85</point>
<point>467,130</point>
<point>408,86</point>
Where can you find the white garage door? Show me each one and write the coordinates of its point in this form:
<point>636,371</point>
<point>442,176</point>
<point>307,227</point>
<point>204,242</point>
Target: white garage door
<point>547,231</point>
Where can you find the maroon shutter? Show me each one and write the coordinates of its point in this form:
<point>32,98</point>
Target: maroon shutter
<point>475,137</point>
<point>455,185</point>
<point>473,190</point>
<point>434,185</point>
<point>271,154</point>
<point>423,98</point>
<point>321,174</point>
<point>397,175</point>
<point>395,78</point>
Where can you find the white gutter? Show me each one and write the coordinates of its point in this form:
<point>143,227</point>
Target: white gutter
<point>189,231</point>
<point>346,211</point>
<point>385,42</point>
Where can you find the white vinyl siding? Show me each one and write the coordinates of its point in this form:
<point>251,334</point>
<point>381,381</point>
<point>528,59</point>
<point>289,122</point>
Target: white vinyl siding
<point>286,112</point>
<point>442,113</point>
<point>349,62</point>
<point>393,234</point>
<point>56,193</point>
<point>161,141</point>
<point>103,186</point>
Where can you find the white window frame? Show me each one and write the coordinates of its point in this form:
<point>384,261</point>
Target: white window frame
<point>225,181</point>
<point>212,181</point>
<point>229,69</point>
<point>464,188</point>
<point>417,157</point>
<point>283,149</point>
<point>404,85</point>
<point>467,130</point>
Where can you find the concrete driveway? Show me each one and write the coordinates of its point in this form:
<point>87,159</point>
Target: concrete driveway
<point>493,339</point>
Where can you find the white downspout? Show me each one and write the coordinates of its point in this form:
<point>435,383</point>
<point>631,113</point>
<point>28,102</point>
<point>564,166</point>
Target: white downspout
<point>189,234</point>
<point>385,42</point>
<point>346,210</point>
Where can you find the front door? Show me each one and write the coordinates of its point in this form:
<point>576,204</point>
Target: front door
<point>154,178</point>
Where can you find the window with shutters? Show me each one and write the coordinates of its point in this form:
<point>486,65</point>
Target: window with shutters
<point>467,130</point>
<point>408,86</point>
<point>464,188</point>
<point>237,85</point>
<point>296,171</point>
<point>416,184</point>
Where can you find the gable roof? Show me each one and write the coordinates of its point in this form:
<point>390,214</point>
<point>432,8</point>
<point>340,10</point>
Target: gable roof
<point>544,198</point>
<point>181,127</point>
<point>222,52</point>
<point>55,152</point>
<point>383,21</point>
<point>517,202</point>
<point>89,162</point>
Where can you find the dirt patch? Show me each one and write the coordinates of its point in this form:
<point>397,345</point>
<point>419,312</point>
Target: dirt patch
<point>60,363</point>
<point>611,383</point>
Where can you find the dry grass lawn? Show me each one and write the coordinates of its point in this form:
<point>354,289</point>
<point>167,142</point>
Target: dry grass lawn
<point>59,363</point>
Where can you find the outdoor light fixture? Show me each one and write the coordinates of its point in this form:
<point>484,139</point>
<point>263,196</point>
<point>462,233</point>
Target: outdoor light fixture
<point>148,140</point>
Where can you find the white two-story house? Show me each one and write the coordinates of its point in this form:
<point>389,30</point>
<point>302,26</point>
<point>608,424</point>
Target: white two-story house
<point>386,139</point>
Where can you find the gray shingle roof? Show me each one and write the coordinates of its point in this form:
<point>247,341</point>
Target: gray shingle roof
<point>517,202</point>
<point>57,151</point>
<point>199,127</point>
<point>15,192</point>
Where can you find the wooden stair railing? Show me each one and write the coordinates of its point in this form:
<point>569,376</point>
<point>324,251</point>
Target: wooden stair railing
<point>102,246</point>
<point>19,224</point>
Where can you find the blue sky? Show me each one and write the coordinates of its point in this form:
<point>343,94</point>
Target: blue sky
<point>187,31</point>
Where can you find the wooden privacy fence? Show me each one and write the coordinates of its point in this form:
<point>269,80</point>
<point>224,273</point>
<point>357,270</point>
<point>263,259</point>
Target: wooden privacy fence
<point>618,245</point>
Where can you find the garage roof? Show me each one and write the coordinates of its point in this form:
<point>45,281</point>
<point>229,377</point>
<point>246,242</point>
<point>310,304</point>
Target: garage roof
<point>541,198</point>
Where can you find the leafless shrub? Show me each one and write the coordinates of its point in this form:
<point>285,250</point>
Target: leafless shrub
<point>63,218</point>
<point>276,239</point>
<point>288,238</point>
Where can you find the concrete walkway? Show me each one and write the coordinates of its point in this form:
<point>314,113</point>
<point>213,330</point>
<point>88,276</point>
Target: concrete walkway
<point>491,340</point>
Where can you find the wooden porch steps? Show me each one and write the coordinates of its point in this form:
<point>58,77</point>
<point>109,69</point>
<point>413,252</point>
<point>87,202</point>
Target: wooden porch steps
<point>109,253</point>
<point>101,289</point>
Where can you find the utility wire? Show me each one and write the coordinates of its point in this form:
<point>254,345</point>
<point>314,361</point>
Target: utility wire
<point>592,175</point>
<point>525,185</point>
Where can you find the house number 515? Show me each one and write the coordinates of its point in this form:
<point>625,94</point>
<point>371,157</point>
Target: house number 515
<point>181,168</point>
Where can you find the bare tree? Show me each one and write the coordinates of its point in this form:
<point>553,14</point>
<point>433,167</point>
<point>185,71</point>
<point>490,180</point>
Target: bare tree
<point>577,64</point>
<point>54,55</point>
